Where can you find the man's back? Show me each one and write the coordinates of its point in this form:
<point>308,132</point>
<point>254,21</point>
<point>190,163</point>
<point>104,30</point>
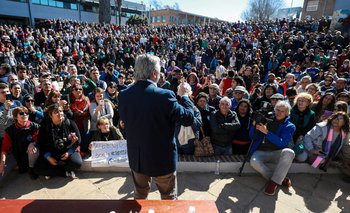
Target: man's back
<point>150,114</point>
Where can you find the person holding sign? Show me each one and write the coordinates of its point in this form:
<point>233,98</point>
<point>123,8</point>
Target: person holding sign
<point>150,114</point>
<point>105,132</point>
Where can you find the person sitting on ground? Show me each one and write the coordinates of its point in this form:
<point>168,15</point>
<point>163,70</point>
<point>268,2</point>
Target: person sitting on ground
<point>58,140</point>
<point>20,138</point>
<point>238,94</point>
<point>326,139</point>
<point>324,107</point>
<point>54,97</point>
<point>36,114</point>
<point>105,132</point>
<point>303,118</point>
<point>341,106</point>
<point>224,123</point>
<point>270,144</point>
<point>98,108</point>
<point>214,97</point>
<point>202,100</point>
<point>241,141</point>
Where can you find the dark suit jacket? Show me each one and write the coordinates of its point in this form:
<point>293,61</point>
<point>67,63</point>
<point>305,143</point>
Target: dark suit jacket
<point>150,114</point>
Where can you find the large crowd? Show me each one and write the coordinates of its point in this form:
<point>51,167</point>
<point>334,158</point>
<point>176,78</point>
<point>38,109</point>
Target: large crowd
<point>60,83</point>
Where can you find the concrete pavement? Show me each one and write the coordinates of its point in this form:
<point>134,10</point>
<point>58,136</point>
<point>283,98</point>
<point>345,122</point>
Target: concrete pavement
<point>310,192</point>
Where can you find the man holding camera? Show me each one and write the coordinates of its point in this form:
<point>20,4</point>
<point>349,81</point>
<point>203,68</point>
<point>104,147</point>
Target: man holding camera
<point>270,144</point>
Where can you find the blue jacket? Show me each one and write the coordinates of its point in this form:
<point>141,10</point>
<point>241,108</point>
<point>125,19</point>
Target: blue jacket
<point>105,77</point>
<point>150,114</point>
<point>282,138</point>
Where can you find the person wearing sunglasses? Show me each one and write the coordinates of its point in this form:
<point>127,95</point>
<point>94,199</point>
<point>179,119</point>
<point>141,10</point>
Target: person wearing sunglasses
<point>20,138</point>
<point>36,114</point>
<point>79,104</point>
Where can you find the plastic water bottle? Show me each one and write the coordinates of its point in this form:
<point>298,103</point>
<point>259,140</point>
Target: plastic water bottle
<point>150,211</point>
<point>217,167</point>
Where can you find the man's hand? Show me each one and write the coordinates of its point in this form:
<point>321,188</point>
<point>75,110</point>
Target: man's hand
<point>52,161</point>
<point>184,89</point>
<point>65,156</point>
<point>31,149</point>
<point>262,128</point>
<point>8,104</point>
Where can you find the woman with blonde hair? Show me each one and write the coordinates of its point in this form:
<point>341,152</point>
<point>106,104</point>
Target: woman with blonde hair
<point>303,118</point>
<point>105,131</point>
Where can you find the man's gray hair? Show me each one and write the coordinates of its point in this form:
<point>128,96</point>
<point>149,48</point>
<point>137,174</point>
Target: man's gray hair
<point>145,64</point>
<point>283,104</point>
<point>225,99</point>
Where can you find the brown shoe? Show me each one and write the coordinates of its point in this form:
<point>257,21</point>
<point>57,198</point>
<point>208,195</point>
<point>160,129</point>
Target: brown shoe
<point>270,188</point>
<point>287,182</point>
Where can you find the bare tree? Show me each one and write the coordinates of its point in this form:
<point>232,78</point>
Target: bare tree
<point>119,5</point>
<point>261,9</point>
<point>104,14</point>
<point>156,4</point>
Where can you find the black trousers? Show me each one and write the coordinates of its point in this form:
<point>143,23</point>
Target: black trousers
<point>44,168</point>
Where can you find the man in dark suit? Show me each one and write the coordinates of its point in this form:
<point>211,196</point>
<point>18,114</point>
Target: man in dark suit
<point>150,114</point>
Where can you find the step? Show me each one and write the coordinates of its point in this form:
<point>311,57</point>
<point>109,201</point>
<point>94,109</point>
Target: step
<point>228,164</point>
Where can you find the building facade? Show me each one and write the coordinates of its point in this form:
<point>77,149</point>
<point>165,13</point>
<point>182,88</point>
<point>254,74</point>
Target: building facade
<point>170,16</point>
<point>318,8</point>
<point>28,12</point>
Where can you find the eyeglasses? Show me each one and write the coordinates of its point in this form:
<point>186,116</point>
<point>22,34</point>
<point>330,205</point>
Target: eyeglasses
<point>78,89</point>
<point>339,118</point>
<point>30,101</point>
<point>22,113</point>
<point>112,87</point>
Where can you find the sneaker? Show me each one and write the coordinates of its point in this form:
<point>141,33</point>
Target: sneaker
<point>71,174</point>
<point>270,188</point>
<point>47,177</point>
<point>287,182</point>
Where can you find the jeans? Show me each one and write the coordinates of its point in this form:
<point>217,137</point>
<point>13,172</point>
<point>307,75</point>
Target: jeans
<point>220,150</point>
<point>283,158</point>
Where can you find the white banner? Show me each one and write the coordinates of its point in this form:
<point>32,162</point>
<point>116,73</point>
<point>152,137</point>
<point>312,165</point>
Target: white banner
<point>109,153</point>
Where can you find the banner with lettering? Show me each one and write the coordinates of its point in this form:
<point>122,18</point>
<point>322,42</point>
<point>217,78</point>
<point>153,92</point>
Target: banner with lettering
<point>109,153</point>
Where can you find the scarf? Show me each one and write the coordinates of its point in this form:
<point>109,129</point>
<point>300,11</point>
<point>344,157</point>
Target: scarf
<point>332,148</point>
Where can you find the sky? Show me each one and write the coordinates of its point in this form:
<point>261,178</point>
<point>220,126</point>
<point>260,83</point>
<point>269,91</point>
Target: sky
<point>228,10</point>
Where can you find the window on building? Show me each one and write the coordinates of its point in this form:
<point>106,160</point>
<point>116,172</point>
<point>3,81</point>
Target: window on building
<point>36,1</point>
<point>44,2</point>
<point>312,6</point>
<point>163,19</point>
<point>152,19</point>
<point>158,19</point>
<point>73,6</point>
<point>59,4</point>
<point>171,19</point>
<point>52,3</point>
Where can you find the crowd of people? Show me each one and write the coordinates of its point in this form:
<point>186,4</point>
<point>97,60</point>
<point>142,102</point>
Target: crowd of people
<point>294,75</point>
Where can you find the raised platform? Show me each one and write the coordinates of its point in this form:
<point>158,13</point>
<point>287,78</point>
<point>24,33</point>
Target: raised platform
<point>228,164</point>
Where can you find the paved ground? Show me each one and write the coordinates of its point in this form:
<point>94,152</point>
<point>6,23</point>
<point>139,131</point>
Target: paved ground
<point>310,192</point>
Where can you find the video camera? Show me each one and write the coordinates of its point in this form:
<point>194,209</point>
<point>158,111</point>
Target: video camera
<point>258,117</point>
